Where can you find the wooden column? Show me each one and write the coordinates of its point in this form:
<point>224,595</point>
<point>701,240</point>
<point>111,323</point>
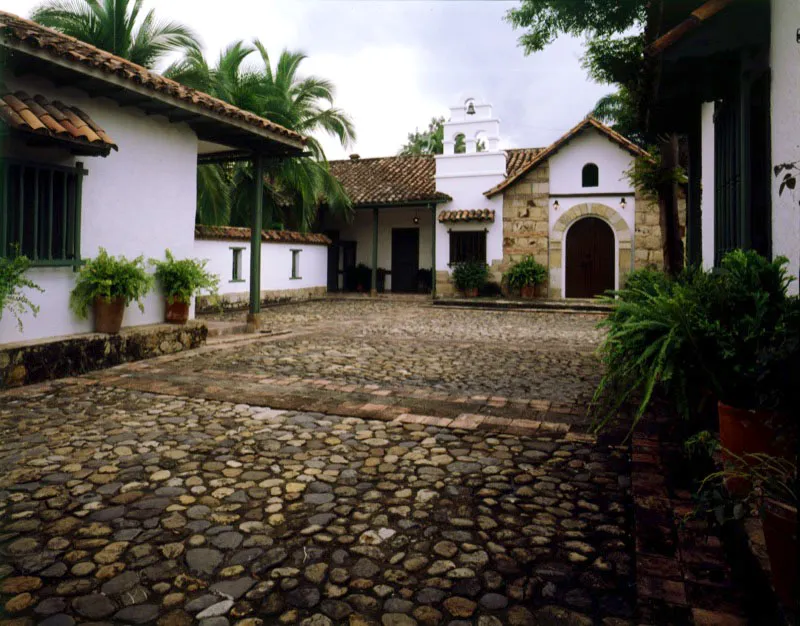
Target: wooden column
<point>694,218</point>
<point>374,288</point>
<point>255,236</point>
<point>433,251</point>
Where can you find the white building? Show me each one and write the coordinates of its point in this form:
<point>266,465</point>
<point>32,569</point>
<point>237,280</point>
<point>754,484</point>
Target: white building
<point>569,205</point>
<point>728,78</point>
<point>97,151</point>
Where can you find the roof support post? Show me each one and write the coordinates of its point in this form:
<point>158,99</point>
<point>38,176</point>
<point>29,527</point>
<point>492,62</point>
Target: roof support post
<point>255,238</point>
<point>374,289</point>
<point>433,251</point>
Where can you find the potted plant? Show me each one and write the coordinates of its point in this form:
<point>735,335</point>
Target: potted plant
<point>470,276</point>
<point>180,280</point>
<point>525,276</point>
<point>752,339</point>
<point>360,277</point>
<point>381,278</point>
<point>770,490</point>
<point>12,282</point>
<point>107,284</point>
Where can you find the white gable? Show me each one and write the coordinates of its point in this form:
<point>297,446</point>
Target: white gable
<point>566,165</point>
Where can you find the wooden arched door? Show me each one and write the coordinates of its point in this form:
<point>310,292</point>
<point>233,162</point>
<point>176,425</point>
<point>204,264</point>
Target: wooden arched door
<point>590,258</point>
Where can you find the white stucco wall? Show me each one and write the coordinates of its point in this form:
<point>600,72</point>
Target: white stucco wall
<point>360,231</point>
<point>276,265</point>
<point>785,63</point>
<point>140,200</point>
<point>707,183</point>
<point>465,178</point>
<point>566,165</point>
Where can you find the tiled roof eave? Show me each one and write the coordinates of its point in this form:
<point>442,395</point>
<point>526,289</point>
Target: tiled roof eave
<point>238,233</point>
<point>467,215</point>
<point>56,48</point>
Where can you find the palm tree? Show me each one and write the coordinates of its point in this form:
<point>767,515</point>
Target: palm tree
<point>111,25</point>
<point>295,187</point>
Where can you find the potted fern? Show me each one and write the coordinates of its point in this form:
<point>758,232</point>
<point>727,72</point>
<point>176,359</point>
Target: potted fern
<point>12,282</point>
<point>525,276</point>
<point>470,276</point>
<point>180,280</point>
<point>106,285</point>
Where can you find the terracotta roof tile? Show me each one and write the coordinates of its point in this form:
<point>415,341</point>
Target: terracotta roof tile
<point>33,35</point>
<point>701,14</point>
<point>274,236</point>
<point>518,158</point>
<point>59,121</point>
<point>588,122</point>
<point>468,215</point>
<point>389,180</point>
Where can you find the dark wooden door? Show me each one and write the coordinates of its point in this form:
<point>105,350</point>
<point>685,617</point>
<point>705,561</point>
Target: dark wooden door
<point>333,260</point>
<point>349,249</point>
<point>405,259</point>
<point>590,258</point>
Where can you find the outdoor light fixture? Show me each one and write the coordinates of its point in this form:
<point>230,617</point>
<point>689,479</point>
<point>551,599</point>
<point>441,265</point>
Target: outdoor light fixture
<point>416,217</point>
<point>623,203</point>
<point>555,205</point>
<point>470,109</point>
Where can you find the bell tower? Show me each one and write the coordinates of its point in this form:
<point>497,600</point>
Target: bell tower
<point>473,121</point>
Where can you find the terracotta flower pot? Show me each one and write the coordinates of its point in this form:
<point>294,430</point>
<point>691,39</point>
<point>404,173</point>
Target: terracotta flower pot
<point>472,292</point>
<point>108,315</point>
<point>540,290</point>
<point>780,534</point>
<point>743,432</point>
<point>527,292</point>
<point>177,312</point>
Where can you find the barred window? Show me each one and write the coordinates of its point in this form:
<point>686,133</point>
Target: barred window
<point>467,245</point>
<point>236,272</point>
<point>296,263</point>
<point>40,212</point>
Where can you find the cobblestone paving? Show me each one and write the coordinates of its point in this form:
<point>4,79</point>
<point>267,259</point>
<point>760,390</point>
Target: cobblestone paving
<point>123,506</point>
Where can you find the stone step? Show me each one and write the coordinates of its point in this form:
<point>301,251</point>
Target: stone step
<point>221,329</point>
<point>571,305</point>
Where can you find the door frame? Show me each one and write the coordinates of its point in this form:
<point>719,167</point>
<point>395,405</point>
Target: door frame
<point>416,230</point>
<point>566,244</point>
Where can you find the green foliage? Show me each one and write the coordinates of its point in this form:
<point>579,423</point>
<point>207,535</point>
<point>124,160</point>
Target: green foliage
<point>788,173</point>
<point>470,275</point>
<point>525,272</point>
<point>181,279</point>
<point>733,332</point>
<point>648,174</point>
<point>294,188</point>
<point>114,25</point>
<point>619,111</point>
<point>431,141</point>
<point>12,282</point>
<point>109,278</point>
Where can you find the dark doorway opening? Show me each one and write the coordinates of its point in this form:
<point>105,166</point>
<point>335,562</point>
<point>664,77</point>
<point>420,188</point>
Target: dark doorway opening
<point>333,260</point>
<point>590,258</point>
<point>405,259</point>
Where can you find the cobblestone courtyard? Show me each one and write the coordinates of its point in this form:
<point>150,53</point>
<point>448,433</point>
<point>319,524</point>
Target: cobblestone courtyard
<point>377,464</point>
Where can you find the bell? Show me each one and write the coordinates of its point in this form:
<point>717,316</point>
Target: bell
<point>470,109</point>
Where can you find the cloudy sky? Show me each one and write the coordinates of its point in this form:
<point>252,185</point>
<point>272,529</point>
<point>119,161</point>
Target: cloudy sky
<point>397,63</point>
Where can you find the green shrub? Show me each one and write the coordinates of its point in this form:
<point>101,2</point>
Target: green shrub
<point>732,332</point>
<point>470,275</point>
<point>12,282</point>
<point>526,272</point>
<point>109,278</point>
<point>181,279</point>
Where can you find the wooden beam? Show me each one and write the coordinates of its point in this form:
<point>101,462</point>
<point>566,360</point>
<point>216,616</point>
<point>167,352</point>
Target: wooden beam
<point>255,236</point>
<point>374,288</point>
<point>433,251</point>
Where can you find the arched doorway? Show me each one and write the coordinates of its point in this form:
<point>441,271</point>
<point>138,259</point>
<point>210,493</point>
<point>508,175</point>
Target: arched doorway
<point>589,258</point>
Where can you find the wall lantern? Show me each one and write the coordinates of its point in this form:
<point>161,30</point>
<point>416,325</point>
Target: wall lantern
<point>555,205</point>
<point>470,109</point>
<point>416,217</point>
<point>623,203</point>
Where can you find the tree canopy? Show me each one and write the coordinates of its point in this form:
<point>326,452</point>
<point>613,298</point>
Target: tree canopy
<point>114,26</point>
<point>431,141</point>
<point>297,186</point>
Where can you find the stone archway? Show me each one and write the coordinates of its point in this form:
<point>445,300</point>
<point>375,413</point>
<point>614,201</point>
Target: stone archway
<point>623,235</point>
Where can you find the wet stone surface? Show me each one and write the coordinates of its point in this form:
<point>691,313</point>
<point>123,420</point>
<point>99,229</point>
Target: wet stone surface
<point>129,507</point>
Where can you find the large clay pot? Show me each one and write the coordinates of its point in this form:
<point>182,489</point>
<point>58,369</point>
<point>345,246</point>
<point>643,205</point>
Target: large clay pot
<point>744,431</point>
<point>527,292</point>
<point>108,315</point>
<point>472,292</point>
<point>780,534</point>
<point>177,312</point>
<point>540,290</point>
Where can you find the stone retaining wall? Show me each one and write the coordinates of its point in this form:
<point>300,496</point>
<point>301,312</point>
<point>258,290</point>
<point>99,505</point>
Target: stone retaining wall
<point>33,362</point>
<point>241,300</point>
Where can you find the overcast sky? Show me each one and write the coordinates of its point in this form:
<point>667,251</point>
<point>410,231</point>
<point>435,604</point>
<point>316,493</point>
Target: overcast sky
<point>397,63</point>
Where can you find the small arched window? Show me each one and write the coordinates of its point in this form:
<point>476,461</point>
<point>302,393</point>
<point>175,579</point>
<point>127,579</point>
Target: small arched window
<point>591,175</point>
<point>461,144</point>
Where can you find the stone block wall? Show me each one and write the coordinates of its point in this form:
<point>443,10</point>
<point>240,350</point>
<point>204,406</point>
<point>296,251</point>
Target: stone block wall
<point>33,362</point>
<point>648,251</point>
<point>526,206</point>
<point>241,300</point>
